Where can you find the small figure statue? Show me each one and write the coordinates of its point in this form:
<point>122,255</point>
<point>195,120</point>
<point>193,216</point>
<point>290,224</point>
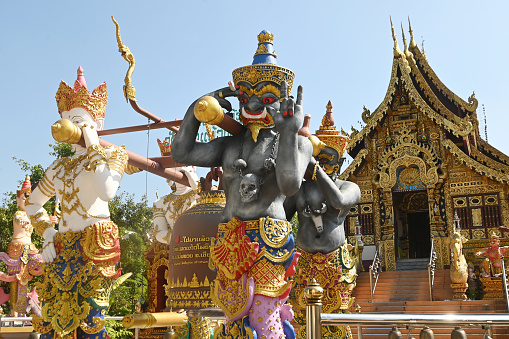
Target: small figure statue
<point>472,281</point>
<point>459,268</point>
<point>322,205</point>
<point>80,256</point>
<point>22,258</point>
<point>254,249</point>
<point>492,266</point>
<point>169,208</point>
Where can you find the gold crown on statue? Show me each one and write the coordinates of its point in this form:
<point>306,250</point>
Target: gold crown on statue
<point>165,147</point>
<point>329,135</point>
<point>264,66</point>
<point>493,235</point>
<point>79,96</point>
<point>265,36</point>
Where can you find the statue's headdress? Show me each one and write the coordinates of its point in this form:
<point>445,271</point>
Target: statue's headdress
<point>165,147</point>
<point>329,135</point>
<point>25,188</point>
<point>493,235</point>
<point>79,96</point>
<point>264,67</point>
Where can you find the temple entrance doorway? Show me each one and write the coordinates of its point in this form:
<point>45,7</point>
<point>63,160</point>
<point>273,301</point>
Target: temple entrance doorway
<point>412,224</point>
<point>419,242</point>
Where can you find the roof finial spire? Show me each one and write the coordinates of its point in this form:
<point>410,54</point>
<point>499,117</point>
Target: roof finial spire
<point>408,55</point>
<point>423,51</point>
<point>404,39</point>
<point>413,44</point>
<point>397,51</point>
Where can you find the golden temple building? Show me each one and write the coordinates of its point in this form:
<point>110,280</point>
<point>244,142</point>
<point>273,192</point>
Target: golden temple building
<point>419,162</point>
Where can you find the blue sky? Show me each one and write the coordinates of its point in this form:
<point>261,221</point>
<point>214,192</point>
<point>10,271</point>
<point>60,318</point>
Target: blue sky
<point>340,51</point>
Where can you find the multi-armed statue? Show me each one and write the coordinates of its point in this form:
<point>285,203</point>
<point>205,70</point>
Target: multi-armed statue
<point>322,205</point>
<point>82,254</point>
<point>254,251</point>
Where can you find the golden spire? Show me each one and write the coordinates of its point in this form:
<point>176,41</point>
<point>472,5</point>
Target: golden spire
<point>404,39</point>
<point>413,44</point>
<point>408,54</point>
<point>423,51</point>
<point>397,51</point>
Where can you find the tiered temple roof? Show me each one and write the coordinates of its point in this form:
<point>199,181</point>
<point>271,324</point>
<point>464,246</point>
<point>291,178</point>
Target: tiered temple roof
<point>412,72</point>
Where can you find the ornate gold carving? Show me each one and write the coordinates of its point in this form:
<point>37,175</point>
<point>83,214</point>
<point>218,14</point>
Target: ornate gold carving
<point>409,176</point>
<point>96,156</point>
<point>265,89</point>
<point>366,114</point>
<point>79,96</point>
<point>269,278</point>
<point>99,324</point>
<point>478,234</point>
<point>476,217</point>
<point>40,221</point>
<point>366,209</point>
<point>354,164</point>
<point>472,104</point>
<point>493,289</point>
<point>493,151</point>
<point>471,163</point>
<point>266,37</point>
<point>491,199</point>
<point>354,209</point>
<point>368,239</point>
<point>254,74</point>
<point>212,198</point>
<point>475,201</point>
<point>388,255</point>
<point>274,232</point>
<point>366,195</point>
<point>459,202</point>
<point>117,160</point>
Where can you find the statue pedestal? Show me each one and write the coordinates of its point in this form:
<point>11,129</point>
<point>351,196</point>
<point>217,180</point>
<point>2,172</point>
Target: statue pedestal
<point>459,291</point>
<point>493,289</point>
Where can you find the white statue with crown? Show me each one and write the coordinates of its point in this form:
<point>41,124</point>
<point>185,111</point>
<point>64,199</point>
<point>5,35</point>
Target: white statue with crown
<point>82,254</point>
<point>22,259</point>
<point>171,206</point>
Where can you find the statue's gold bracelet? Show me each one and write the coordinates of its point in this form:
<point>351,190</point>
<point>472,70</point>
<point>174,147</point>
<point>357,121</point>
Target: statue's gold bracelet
<point>317,166</point>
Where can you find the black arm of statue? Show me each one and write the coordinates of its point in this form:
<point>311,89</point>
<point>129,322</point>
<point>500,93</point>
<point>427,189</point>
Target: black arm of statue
<point>294,151</point>
<point>187,151</point>
<point>339,194</point>
<point>290,206</point>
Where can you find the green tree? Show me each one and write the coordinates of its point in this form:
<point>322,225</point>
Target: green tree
<point>134,220</point>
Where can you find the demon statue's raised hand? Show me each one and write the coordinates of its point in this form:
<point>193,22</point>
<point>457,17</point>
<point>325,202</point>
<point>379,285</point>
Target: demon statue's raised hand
<point>254,251</point>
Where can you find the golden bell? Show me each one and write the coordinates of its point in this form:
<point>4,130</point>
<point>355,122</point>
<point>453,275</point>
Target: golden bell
<point>65,131</point>
<point>208,110</point>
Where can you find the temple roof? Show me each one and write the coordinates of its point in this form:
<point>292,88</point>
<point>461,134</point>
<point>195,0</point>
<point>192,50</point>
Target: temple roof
<point>411,70</point>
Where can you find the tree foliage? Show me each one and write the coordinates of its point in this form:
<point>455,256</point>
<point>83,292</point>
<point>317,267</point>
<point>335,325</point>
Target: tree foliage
<point>134,220</point>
